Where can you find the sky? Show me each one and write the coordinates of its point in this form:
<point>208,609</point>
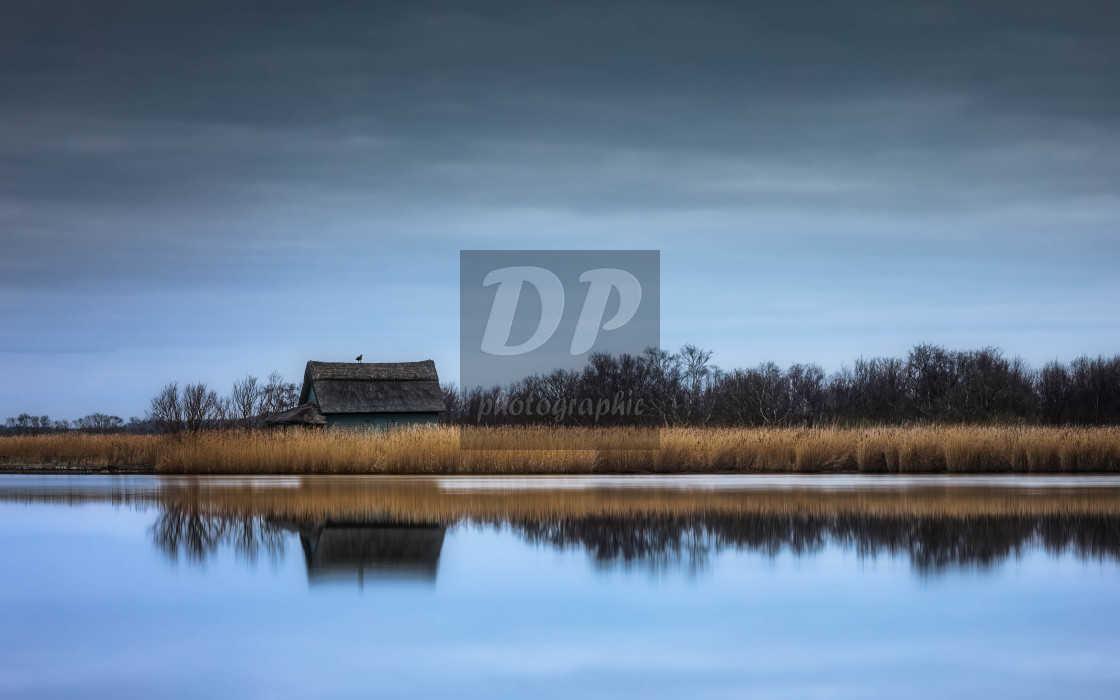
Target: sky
<point>200,190</point>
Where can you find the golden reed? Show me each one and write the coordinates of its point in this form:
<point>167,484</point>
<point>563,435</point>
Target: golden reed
<point>906,450</point>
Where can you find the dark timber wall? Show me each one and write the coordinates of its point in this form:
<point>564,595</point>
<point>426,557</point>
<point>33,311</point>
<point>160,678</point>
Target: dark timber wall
<point>379,421</point>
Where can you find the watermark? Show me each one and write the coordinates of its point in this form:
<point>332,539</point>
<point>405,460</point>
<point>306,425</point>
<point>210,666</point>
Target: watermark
<point>624,405</point>
<point>553,339</point>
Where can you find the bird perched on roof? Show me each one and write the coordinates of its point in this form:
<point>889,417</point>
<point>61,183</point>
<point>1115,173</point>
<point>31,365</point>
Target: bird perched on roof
<point>358,358</point>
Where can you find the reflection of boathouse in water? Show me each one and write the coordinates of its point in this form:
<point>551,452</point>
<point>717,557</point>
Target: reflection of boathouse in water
<point>357,551</point>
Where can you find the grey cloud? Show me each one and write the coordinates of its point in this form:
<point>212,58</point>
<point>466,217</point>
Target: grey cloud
<point>180,163</point>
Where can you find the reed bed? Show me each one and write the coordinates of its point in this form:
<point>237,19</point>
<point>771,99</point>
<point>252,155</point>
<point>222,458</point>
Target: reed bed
<point>82,450</point>
<point>885,450</point>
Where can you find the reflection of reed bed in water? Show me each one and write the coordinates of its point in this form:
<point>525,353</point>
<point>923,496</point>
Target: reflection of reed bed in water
<point>954,449</point>
<point>448,500</point>
<point>423,501</point>
<point>935,526</point>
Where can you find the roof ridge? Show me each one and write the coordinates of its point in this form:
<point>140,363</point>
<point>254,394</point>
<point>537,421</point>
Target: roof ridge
<point>422,370</point>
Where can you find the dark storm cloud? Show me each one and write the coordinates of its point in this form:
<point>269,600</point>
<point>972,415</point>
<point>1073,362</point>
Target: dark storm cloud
<point>110,101</point>
<point>237,154</point>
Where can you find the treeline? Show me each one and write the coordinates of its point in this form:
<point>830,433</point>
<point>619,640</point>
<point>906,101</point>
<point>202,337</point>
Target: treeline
<point>27,424</point>
<point>196,407</point>
<point>930,385</point>
<point>192,408</point>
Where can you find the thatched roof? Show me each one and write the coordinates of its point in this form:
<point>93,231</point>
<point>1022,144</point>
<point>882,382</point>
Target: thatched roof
<point>373,387</point>
<point>373,371</point>
<point>304,414</point>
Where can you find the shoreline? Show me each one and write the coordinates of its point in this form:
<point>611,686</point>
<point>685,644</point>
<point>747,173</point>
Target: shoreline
<point>64,470</point>
<point>38,469</point>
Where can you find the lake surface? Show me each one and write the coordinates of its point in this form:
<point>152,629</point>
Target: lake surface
<point>767,586</point>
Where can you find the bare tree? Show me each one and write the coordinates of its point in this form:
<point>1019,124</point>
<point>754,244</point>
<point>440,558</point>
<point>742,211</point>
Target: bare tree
<point>200,407</point>
<point>699,378</point>
<point>27,424</point>
<point>277,395</point>
<point>663,382</point>
<point>452,402</point>
<point>759,396</point>
<point>244,400</point>
<point>99,423</point>
<point>139,425</point>
<point>166,410</point>
<point>225,416</point>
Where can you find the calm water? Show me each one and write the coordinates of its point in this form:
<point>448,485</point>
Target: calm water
<point>559,587</point>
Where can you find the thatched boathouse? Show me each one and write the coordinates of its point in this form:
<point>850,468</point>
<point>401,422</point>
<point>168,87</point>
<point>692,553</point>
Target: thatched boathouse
<point>370,395</point>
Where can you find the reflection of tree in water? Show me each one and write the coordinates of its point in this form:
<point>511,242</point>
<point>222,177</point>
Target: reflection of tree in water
<point>200,535</point>
<point>655,542</point>
<point>668,541</point>
<point>332,550</point>
<point>931,542</point>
